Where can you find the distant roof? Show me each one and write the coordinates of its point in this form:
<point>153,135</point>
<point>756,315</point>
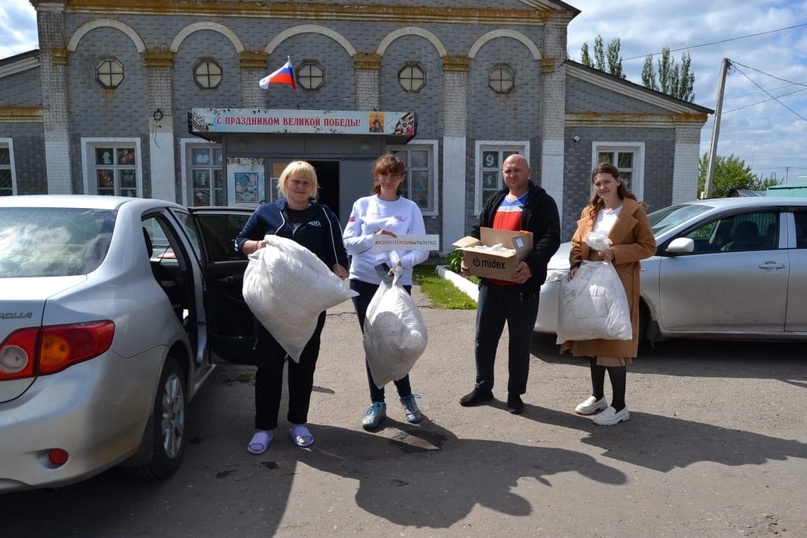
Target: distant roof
<point>19,63</point>
<point>631,89</point>
<point>746,192</point>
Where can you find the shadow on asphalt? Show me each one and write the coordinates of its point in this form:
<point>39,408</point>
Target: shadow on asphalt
<point>665,443</point>
<point>427,477</point>
<point>784,361</point>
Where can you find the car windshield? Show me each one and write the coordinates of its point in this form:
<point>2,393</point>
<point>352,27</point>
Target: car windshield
<point>36,242</point>
<point>666,218</point>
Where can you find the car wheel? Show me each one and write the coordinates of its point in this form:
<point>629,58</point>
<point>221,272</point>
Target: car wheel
<point>168,425</point>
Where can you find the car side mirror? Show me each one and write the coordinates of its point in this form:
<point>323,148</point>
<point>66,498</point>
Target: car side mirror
<point>681,245</point>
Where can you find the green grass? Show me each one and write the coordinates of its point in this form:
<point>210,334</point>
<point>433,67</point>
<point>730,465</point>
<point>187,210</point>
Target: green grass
<point>443,294</point>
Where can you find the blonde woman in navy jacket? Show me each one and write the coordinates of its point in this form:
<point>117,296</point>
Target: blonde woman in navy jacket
<point>299,216</point>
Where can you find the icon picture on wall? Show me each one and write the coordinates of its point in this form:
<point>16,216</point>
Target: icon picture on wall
<point>246,187</point>
<point>376,122</point>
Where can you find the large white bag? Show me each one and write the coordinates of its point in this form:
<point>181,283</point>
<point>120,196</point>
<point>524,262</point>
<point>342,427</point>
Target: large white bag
<point>286,287</point>
<point>394,332</point>
<point>593,305</point>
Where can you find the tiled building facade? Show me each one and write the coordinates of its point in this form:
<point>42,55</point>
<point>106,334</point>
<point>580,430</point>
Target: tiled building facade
<point>484,79</point>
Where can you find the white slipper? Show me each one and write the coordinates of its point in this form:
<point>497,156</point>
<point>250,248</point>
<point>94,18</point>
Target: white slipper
<point>260,442</point>
<point>302,437</point>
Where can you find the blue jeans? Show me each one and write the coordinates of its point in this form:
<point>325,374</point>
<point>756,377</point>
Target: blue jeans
<point>497,305</point>
<point>360,303</point>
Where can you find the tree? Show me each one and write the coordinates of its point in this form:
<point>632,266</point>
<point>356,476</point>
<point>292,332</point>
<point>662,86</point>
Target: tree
<point>605,58</point>
<point>614,59</point>
<point>599,54</point>
<point>671,79</point>
<point>730,173</point>
<point>585,58</point>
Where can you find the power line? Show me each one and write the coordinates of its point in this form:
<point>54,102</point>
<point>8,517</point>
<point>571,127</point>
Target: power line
<point>765,101</point>
<point>736,64</point>
<point>769,75</point>
<point>722,41</point>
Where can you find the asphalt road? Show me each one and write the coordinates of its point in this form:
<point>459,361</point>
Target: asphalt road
<point>716,446</point>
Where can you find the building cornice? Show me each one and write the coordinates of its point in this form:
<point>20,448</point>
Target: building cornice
<point>632,120</point>
<point>158,59</point>
<point>529,16</point>
<point>20,114</point>
<point>367,60</point>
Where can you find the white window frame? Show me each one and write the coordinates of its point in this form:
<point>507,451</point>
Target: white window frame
<point>88,146</point>
<point>431,147</point>
<point>637,172</point>
<point>186,146</point>
<point>522,147</point>
<point>9,143</point>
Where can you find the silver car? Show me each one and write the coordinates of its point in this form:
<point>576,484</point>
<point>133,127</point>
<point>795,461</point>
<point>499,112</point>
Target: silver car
<point>728,268</point>
<point>111,310</point>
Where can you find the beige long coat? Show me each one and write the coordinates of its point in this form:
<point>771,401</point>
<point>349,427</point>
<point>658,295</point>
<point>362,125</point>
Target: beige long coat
<point>632,241</point>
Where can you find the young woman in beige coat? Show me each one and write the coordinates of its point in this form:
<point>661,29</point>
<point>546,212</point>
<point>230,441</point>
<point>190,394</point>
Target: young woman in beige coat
<point>614,212</point>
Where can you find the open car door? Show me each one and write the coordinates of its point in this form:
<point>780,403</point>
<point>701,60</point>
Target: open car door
<point>231,330</point>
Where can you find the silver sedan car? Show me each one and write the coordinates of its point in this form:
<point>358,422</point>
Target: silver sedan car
<point>111,313</point>
<point>728,268</point>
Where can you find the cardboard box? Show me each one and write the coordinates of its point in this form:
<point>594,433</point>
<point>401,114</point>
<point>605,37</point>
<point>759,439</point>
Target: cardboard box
<point>496,265</point>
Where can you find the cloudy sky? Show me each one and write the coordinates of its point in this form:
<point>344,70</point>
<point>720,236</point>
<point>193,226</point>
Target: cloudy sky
<point>764,119</point>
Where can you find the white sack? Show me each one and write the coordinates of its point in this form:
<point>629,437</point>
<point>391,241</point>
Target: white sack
<point>394,332</point>
<point>286,287</point>
<point>598,241</point>
<point>593,305</point>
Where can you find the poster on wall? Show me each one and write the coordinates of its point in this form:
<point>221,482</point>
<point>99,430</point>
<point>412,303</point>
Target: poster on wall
<point>246,180</point>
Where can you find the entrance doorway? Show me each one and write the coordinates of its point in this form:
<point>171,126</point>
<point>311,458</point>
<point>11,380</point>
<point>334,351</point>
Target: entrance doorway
<point>328,179</point>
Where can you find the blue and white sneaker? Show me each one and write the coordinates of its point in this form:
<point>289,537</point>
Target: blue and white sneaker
<point>413,414</point>
<point>374,415</point>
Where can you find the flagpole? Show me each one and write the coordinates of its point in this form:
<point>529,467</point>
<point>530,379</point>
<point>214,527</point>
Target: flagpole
<point>294,78</point>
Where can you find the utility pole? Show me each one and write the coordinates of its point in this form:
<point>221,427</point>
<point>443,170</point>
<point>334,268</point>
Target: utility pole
<point>721,86</point>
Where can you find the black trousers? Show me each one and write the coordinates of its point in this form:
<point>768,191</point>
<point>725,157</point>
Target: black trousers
<point>497,305</point>
<point>270,357</point>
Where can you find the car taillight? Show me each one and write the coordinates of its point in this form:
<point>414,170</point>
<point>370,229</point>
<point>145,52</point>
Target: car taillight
<point>47,350</point>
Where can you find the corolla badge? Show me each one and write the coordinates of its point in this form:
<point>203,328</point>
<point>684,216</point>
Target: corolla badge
<point>16,315</point>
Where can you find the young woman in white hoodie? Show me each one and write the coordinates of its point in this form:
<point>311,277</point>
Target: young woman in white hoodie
<point>385,212</point>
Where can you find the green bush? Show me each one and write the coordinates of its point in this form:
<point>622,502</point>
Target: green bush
<point>454,259</point>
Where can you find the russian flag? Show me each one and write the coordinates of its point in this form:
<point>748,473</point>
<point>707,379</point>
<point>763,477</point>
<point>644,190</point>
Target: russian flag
<point>284,75</point>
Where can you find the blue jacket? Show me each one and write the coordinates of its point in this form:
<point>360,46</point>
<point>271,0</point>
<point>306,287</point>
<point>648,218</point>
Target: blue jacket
<point>322,234</point>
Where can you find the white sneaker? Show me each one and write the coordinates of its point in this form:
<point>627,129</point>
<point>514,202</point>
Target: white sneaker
<point>591,406</point>
<point>611,416</point>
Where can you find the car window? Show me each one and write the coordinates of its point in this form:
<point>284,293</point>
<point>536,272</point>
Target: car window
<point>37,242</point>
<point>669,217</point>
<point>190,230</point>
<point>219,231</point>
<point>744,232</point>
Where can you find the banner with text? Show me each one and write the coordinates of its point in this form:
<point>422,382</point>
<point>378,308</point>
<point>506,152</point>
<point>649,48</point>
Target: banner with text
<point>406,242</point>
<point>245,120</point>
